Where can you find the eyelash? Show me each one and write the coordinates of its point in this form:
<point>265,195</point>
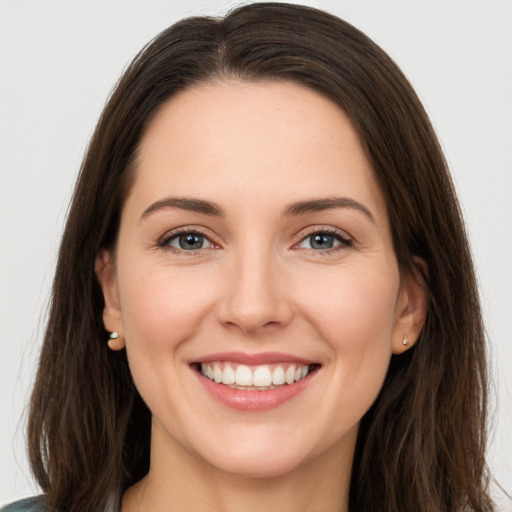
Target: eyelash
<point>164,242</point>
<point>340,236</point>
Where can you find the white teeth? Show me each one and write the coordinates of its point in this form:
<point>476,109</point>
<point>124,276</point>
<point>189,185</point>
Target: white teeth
<point>262,376</point>
<point>278,377</point>
<point>257,377</point>
<point>217,373</point>
<point>243,375</point>
<point>228,375</point>
<point>290,374</point>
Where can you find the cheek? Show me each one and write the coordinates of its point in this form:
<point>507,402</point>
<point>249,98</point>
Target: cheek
<point>161,312</point>
<point>350,303</point>
<point>357,325</point>
<point>356,317</point>
<point>160,308</point>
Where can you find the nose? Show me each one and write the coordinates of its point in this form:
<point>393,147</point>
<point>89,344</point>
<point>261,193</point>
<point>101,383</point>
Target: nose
<point>255,298</point>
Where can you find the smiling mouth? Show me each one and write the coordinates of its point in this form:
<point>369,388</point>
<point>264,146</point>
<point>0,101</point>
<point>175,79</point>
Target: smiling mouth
<point>255,377</point>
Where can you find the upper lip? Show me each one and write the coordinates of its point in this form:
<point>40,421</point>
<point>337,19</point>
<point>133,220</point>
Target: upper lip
<point>253,359</point>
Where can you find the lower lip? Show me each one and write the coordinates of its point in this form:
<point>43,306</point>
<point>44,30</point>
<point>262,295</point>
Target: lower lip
<point>253,400</point>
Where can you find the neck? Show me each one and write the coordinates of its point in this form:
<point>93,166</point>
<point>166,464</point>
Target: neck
<point>179,478</point>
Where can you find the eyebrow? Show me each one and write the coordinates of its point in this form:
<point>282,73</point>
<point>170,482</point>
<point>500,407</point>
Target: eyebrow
<point>327,203</point>
<point>293,209</point>
<point>185,203</point>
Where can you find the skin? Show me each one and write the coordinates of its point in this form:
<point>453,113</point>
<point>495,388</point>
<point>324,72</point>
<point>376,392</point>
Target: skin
<point>256,285</point>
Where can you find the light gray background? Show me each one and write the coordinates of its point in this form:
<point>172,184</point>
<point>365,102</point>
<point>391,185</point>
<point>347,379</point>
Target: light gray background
<point>60,59</point>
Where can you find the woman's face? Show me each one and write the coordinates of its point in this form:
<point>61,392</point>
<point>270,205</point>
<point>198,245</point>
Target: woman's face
<point>255,247</point>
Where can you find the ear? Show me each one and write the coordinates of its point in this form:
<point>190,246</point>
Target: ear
<point>411,308</point>
<point>112,317</point>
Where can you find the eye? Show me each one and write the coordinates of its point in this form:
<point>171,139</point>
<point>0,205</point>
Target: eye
<point>187,241</point>
<point>324,240</point>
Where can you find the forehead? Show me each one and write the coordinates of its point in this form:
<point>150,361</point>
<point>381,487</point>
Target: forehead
<point>255,140</point>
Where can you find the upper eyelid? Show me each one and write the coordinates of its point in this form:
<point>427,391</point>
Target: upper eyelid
<point>215,240</point>
<point>311,230</point>
<point>173,233</point>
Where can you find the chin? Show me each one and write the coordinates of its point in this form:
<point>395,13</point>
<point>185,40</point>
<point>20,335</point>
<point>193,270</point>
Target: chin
<point>260,466</point>
<point>267,453</point>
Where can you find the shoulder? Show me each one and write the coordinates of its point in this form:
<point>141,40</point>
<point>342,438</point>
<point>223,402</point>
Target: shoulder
<point>35,504</point>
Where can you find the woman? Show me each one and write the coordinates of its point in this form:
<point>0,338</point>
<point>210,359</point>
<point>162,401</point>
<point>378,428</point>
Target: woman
<point>264,295</point>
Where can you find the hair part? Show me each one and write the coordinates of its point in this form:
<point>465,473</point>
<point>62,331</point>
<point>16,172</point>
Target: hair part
<point>421,446</point>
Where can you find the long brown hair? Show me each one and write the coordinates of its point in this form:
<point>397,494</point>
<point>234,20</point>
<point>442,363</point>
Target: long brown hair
<point>421,446</point>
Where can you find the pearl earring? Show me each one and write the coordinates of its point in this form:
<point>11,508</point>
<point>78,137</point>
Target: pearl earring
<point>114,341</point>
<point>405,341</point>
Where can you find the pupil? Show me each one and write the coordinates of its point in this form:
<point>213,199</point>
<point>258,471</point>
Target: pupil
<point>191,241</point>
<point>321,241</point>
